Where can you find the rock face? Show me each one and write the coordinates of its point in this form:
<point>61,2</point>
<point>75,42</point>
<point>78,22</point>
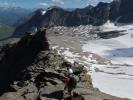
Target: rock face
<point>118,10</point>
<point>28,65</point>
<point>25,55</point>
<point>121,10</point>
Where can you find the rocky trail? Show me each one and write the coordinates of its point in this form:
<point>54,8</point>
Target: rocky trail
<point>83,92</point>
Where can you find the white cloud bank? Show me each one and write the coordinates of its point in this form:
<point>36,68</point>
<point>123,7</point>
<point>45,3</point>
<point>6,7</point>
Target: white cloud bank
<point>58,2</point>
<point>6,4</point>
<point>43,5</point>
<point>53,3</point>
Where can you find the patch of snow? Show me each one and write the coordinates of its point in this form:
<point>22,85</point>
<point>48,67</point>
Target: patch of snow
<point>113,82</point>
<point>110,26</point>
<point>55,47</point>
<point>43,12</point>
<point>68,53</point>
<point>89,59</point>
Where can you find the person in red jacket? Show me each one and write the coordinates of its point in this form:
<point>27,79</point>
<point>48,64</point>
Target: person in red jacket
<point>70,82</point>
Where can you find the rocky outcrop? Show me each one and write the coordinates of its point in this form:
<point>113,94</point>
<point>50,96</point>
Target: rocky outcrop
<point>118,10</point>
<point>17,58</point>
<point>28,65</point>
<point>121,11</point>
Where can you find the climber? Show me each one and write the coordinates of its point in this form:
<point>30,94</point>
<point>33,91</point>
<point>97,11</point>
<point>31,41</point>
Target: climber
<point>70,82</point>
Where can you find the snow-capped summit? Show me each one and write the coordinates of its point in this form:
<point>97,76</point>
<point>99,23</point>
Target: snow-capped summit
<point>43,12</point>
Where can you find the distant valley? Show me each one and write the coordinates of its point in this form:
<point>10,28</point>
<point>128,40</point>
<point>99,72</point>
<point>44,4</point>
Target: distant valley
<point>9,17</point>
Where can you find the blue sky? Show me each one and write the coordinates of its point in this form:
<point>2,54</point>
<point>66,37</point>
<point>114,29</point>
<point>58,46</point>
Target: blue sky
<point>47,3</point>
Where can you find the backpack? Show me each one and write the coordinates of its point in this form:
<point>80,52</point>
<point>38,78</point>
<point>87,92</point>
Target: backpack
<point>72,82</point>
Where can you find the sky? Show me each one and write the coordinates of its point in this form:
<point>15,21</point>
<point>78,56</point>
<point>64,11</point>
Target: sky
<point>48,3</point>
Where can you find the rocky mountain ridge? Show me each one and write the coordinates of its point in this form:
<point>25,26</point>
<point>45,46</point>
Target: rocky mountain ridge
<point>15,58</point>
<point>116,11</point>
<point>30,70</point>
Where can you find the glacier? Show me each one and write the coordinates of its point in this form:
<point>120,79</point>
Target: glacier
<point>115,79</point>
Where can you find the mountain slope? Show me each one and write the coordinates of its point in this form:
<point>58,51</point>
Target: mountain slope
<point>10,15</point>
<point>9,18</point>
<point>60,17</point>
<point>29,70</point>
<point>118,10</point>
<point>5,29</point>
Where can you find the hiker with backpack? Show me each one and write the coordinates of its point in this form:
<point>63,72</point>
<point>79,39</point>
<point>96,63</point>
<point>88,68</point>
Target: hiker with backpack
<point>70,82</point>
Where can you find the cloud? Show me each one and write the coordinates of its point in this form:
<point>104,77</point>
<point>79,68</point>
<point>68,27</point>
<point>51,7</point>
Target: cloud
<point>6,4</point>
<point>53,3</point>
<point>43,5</point>
<point>92,2</point>
<point>58,2</point>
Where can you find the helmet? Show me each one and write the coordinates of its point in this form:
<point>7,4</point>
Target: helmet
<point>70,71</point>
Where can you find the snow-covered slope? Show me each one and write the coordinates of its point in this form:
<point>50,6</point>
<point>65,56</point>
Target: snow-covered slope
<point>119,50</point>
<point>115,79</point>
<point>109,61</point>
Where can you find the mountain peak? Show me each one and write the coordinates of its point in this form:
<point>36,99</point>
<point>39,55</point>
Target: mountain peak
<point>98,15</point>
